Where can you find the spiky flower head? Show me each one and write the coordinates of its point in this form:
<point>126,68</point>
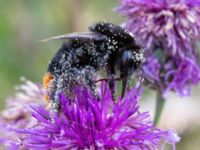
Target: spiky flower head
<point>86,122</point>
<point>169,30</point>
<point>16,112</point>
<point>16,109</point>
<point>174,24</point>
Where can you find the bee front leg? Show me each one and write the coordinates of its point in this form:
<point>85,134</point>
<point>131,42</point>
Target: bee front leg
<point>125,85</point>
<point>112,79</point>
<point>111,83</point>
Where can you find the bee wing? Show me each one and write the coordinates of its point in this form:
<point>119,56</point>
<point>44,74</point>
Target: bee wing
<point>81,36</point>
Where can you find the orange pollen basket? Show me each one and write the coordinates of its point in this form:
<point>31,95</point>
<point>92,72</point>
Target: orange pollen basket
<point>46,79</point>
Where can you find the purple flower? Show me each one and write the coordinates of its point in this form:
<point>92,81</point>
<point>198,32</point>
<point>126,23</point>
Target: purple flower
<point>169,31</point>
<point>187,74</point>
<point>16,109</point>
<point>16,112</point>
<point>174,24</point>
<point>178,76</point>
<point>86,123</point>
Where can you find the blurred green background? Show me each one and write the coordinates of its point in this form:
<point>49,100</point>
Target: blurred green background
<point>24,22</point>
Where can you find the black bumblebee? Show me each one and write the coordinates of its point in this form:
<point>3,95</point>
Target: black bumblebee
<point>105,48</point>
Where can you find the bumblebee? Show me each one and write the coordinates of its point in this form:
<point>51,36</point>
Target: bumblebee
<point>105,48</point>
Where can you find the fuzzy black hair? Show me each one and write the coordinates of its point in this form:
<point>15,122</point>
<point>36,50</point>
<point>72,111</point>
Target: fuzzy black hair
<point>114,31</point>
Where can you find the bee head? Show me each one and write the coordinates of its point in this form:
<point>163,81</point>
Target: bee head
<point>130,61</point>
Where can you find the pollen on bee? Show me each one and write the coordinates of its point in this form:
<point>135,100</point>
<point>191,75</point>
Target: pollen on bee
<point>46,79</point>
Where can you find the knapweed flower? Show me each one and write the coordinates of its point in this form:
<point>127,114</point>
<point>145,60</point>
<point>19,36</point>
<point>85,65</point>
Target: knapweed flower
<point>16,109</point>
<point>168,77</point>
<point>169,30</point>
<point>16,112</point>
<point>88,122</point>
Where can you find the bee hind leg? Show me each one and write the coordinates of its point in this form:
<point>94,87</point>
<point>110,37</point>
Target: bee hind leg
<point>54,97</point>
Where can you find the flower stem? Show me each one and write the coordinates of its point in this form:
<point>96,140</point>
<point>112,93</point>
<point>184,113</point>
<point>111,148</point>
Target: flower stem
<point>160,101</point>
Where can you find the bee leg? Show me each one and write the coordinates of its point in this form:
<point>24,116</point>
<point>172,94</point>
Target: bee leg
<point>111,79</point>
<point>63,82</point>
<point>92,86</point>
<point>111,83</point>
<point>125,84</point>
<point>54,102</point>
<point>104,79</point>
<point>55,99</point>
<point>88,73</point>
<point>56,105</point>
